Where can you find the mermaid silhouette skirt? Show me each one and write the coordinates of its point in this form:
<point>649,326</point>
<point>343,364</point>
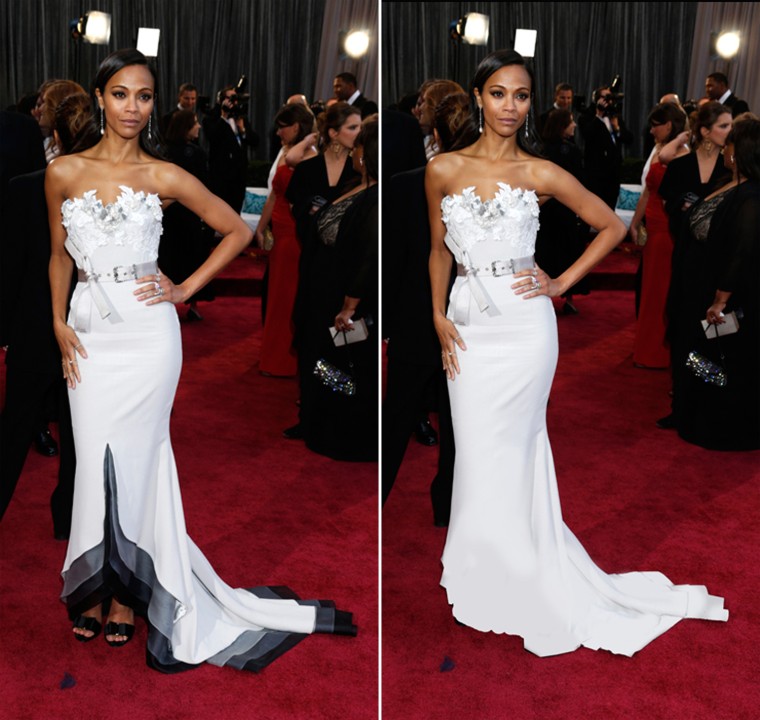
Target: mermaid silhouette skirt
<point>510,564</point>
<point>128,536</point>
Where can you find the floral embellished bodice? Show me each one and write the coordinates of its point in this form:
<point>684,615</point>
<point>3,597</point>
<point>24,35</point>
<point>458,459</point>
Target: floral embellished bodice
<point>123,232</point>
<point>479,232</point>
<point>490,240</point>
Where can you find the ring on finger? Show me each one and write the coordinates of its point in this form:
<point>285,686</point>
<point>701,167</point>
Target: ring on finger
<point>538,285</point>
<point>160,291</point>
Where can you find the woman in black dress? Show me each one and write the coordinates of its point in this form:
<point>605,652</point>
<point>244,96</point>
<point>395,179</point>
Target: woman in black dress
<point>715,271</point>
<point>562,236</point>
<point>338,289</point>
<point>186,241</point>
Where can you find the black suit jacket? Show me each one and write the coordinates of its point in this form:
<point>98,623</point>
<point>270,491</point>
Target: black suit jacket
<point>20,152</point>
<point>407,318</point>
<point>367,107</point>
<point>26,292</point>
<point>736,105</point>
<point>602,156</point>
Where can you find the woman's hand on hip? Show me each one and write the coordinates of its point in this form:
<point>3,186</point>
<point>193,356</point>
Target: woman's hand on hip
<point>534,282</point>
<point>158,288</point>
<point>451,341</point>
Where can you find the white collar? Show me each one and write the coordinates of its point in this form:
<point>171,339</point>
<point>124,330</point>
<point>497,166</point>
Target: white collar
<point>724,96</point>
<point>352,99</point>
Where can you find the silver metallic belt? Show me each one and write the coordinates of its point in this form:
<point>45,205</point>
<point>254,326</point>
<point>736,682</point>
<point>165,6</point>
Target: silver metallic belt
<point>499,267</point>
<point>120,273</point>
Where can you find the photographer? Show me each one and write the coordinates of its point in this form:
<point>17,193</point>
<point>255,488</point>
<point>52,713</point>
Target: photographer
<point>604,135</point>
<point>229,136</point>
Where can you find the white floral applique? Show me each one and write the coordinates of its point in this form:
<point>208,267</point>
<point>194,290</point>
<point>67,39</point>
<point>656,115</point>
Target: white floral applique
<point>133,218</point>
<point>511,216</point>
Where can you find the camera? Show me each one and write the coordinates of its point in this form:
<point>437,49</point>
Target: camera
<point>239,99</point>
<point>614,101</point>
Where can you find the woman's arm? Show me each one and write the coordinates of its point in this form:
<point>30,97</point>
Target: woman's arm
<point>59,271</point>
<point>678,146</point>
<point>440,267</point>
<point>302,150</point>
<point>559,184</point>
<point>176,184</point>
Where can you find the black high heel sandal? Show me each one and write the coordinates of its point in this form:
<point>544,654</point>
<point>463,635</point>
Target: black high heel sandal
<point>113,628</point>
<point>83,622</point>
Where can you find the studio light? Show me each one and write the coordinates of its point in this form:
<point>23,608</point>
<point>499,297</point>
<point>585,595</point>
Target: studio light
<point>147,41</point>
<point>355,43</point>
<point>525,42</point>
<point>727,44</point>
<point>471,29</point>
<point>93,27</point>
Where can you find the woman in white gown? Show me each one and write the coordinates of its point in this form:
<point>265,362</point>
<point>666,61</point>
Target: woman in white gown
<point>121,355</point>
<point>510,563</point>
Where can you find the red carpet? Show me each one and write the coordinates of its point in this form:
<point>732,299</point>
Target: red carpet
<point>263,509</point>
<point>638,498</point>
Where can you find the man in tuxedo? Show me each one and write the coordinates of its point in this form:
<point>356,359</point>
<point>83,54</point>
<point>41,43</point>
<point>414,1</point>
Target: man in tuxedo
<point>344,87</point>
<point>603,134</point>
<point>187,97</point>
<point>716,88</point>
<point>563,100</point>
<point>229,136</point>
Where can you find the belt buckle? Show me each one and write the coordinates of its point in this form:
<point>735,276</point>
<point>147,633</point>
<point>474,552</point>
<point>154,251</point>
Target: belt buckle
<point>500,267</point>
<point>122,273</point>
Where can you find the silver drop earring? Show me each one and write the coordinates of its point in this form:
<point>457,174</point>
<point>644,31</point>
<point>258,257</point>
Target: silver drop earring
<point>527,120</point>
<point>150,118</point>
<point>102,130</point>
<point>480,119</point>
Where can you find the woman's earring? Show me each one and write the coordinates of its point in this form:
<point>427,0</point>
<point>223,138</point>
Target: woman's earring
<point>708,146</point>
<point>101,121</point>
<point>480,119</point>
<point>150,118</point>
<point>527,121</point>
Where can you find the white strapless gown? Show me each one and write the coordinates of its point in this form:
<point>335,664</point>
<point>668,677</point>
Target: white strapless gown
<point>128,532</point>
<point>511,565</point>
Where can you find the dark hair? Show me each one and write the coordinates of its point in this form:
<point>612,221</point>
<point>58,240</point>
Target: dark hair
<point>555,124</point>
<point>745,136</point>
<point>348,77</point>
<point>562,87</point>
<point>720,77</point>
<point>707,116</point>
<point>179,126</point>
<point>220,94</point>
<point>295,113</point>
<point>335,116</point>
<point>75,124</point>
<point>488,66</point>
<point>367,139</point>
<point>663,113</point>
<point>117,61</point>
<point>596,95</point>
<point>453,122</point>
<point>187,87</point>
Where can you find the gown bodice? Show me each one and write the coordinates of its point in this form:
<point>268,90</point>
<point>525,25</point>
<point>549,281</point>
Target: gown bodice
<point>123,232</point>
<point>480,232</point>
<point>490,240</point>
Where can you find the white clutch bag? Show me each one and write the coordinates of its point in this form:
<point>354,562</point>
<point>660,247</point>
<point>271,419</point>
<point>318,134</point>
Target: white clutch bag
<point>356,334</point>
<point>729,327</point>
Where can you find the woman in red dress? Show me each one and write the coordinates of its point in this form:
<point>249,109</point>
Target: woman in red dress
<point>278,358</point>
<point>651,348</point>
